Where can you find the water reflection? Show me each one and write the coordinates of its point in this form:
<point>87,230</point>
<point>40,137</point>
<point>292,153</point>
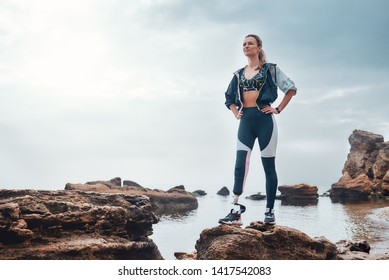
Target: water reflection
<point>299,202</point>
<point>364,223</point>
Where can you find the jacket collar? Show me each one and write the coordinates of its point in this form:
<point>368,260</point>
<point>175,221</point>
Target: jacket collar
<point>262,71</point>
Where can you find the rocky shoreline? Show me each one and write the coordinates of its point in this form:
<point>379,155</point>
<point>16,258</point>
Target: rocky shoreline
<point>108,220</point>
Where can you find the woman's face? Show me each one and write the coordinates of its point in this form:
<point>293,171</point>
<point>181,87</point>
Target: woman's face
<point>250,47</point>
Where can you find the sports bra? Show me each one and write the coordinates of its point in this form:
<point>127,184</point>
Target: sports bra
<point>250,84</point>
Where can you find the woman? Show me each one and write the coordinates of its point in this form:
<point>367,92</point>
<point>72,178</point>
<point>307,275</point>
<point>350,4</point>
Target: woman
<point>249,96</point>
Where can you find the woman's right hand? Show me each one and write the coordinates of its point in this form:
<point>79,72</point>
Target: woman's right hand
<point>239,114</point>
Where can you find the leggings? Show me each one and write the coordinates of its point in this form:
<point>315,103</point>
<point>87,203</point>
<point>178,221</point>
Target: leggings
<point>257,125</point>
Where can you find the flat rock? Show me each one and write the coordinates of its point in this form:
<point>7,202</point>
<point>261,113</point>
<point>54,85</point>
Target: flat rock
<point>301,194</point>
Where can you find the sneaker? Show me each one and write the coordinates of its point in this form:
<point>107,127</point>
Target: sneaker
<point>233,218</point>
<point>269,217</point>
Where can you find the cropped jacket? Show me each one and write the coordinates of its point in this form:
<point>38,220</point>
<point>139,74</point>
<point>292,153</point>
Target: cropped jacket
<point>270,76</point>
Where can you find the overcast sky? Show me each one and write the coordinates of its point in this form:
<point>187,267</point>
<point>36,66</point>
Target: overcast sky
<point>91,90</point>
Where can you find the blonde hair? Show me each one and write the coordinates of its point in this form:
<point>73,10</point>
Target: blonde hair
<point>261,55</point>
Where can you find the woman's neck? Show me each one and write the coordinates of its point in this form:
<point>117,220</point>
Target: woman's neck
<point>253,63</point>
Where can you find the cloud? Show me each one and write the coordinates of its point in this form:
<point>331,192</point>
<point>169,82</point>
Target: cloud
<point>97,89</point>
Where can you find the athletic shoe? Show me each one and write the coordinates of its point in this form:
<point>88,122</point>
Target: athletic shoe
<point>233,218</point>
<point>269,217</point>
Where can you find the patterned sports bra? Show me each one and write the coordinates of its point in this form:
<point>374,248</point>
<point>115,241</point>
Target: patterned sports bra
<point>254,83</point>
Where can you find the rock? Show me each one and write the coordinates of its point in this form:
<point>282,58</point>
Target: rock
<point>260,241</point>
<point>180,189</point>
<point>365,170</point>
<point>175,200</point>
<point>88,187</point>
<point>131,184</point>
<point>223,191</point>
<point>257,196</point>
<point>352,189</point>
<point>301,194</point>
<point>359,250</point>
<point>75,225</point>
<point>115,182</point>
<point>185,256</point>
<point>325,194</point>
<point>199,193</point>
<point>385,184</point>
<point>358,246</point>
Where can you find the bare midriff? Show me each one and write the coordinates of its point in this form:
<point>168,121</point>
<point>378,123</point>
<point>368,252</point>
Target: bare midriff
<point>250,98</point>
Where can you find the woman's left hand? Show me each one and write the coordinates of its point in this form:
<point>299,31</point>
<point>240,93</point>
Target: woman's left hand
<point>269,110</point>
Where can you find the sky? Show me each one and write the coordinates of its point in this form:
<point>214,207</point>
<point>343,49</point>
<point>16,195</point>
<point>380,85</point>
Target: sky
<point>92,90</point>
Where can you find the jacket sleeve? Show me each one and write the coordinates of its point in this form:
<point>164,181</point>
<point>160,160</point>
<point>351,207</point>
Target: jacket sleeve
<point>231,92</point>
<point>283,82</point>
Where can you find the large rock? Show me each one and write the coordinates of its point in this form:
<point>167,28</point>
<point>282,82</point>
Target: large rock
<point>267,242</point>
<point>259,241</point>
<point>224,191</point>
<point>298,194</point>
<point>365,172</point>
<point>75,225</point>
<point>175,200</point>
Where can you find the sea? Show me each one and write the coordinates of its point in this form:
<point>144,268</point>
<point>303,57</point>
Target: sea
<point>336,221</point>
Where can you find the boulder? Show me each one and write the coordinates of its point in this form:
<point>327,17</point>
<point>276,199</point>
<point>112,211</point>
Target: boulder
<point>175,200</point>
<point>260,241</point>
<point>199,193</point>
<point>301,194</point>
<point>131,184</point>
<point>180,189</point>
<point>37,224</point>
<point>223,191</point>
<point>365,170</point>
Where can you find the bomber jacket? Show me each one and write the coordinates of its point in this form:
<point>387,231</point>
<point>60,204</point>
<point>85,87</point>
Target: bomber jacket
<point>271,78</point>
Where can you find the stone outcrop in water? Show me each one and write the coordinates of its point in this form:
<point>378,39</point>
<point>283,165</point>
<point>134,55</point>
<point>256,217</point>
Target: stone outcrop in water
<point>75,225</point>
<point>199,193</point>
<point>224,191</point>
<point>300,194</point>
<point>175,200</point>
<point>366,170</point>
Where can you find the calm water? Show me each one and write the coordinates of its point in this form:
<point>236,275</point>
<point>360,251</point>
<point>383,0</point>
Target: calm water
<point>336,221</point>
